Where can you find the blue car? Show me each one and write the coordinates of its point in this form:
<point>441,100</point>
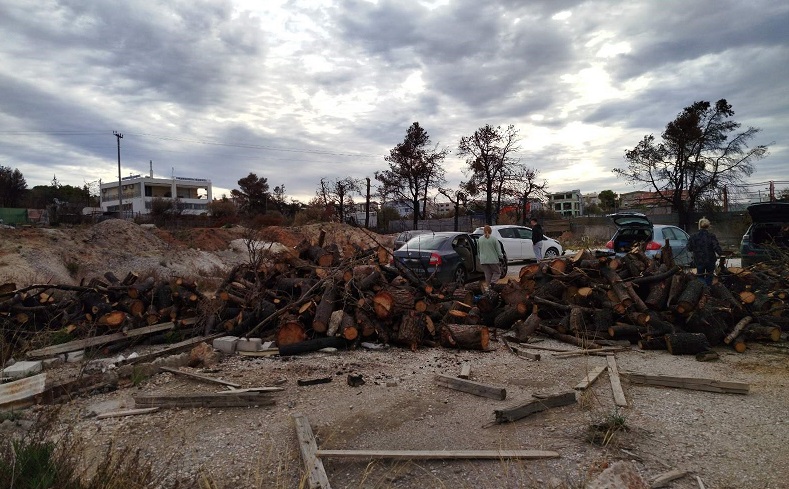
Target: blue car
<point>444,257</point>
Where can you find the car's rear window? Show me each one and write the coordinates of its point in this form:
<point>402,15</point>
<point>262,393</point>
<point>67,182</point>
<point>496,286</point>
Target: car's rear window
<point>426,241</point>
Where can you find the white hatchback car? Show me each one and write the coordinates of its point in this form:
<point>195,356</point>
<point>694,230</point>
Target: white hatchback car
<point>517,242</point>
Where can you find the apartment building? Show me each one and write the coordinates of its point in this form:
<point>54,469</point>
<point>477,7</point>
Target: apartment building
<point>568,204</point>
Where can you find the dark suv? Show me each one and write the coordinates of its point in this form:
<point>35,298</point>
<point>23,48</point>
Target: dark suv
<point>768,233</point>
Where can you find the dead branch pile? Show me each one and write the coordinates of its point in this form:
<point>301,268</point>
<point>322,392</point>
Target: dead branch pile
<point>321,291</point>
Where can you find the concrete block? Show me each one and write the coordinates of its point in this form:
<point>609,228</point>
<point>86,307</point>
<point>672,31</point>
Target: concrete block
<point>75,356</point>
<point>249,344</point>
<point>226,344</point>
<point>52,362</point>
<point>22,369</point>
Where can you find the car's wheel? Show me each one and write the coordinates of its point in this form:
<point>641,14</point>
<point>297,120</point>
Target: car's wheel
<point>551,253</point>
<point>461,276</point>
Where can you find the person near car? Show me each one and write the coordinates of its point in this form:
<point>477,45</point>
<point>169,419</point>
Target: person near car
<point>537,237</point>
<point>490,254</point>
<point>706,249</point>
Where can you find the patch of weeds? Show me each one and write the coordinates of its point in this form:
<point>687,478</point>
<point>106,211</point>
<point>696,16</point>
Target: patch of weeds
<point>604,433</point>
<point>138,376</point>
<point>72,267</point>
<point>10,416</point>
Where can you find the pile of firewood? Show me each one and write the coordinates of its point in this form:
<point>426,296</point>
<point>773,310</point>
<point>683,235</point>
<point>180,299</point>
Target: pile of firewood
<point>326,296</point>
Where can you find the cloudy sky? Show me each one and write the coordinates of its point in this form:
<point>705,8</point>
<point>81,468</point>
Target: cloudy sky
<point>297,90</point>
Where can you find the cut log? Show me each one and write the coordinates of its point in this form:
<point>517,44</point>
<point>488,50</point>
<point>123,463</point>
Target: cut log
<point>765,333</point>
<point>465,337</point>
<point>311,345</point>
<point>686,343</point>
<point>324,309</point>
<point>411,330</point>
<point>290,331</point>
<point>690,296</point>
<point>510,315</point>
<point>525,329</point>
<point>741,324</point>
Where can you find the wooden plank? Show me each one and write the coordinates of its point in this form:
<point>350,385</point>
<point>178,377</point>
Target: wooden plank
<point>196,376</point>
<point>439,454</point>
<point>663,479</point>
<point>483,390</point>
<point>316,474</point>
<point>253,389</point>
<point>591,376</point>
<point>607,350</point>
<point>22,389</point>
<point>98,340</point>
<point>211,400</point>
<point>692,383</point>
<point>128,412</point>
<point>465,371</point>
<point>514,413</point>
<point>616,384</point>
<point>174,348</point>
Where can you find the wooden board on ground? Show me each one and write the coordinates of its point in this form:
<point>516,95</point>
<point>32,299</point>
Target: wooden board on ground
<point>691,383</point>
<point>205,378</point>
<point>518,411</point>
<point>127,412</point>
<point>174,348</point>
<point>97,340</point>
<point>308,446</point>
<point>212,400</point>
<point>465,371</point>
<point>439,454</point>
<point>22,389</point>
<point>483,390</point>
<point>591,376</point>
<point>616,384</point>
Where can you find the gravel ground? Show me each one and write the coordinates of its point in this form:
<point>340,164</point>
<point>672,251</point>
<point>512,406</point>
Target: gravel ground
<point>400,407</point>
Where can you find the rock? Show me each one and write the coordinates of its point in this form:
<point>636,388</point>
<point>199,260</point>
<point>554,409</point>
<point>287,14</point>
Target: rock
<point>203,355</point>
<point>620,475</point>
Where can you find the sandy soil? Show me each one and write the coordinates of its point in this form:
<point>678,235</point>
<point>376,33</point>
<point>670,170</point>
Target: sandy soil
<point>729,441</point>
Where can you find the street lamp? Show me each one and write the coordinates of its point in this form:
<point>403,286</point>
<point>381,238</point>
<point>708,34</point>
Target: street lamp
<point>119,136</point>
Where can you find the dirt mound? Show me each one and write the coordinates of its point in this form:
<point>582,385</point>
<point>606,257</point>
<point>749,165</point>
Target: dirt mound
<point>340,234</point>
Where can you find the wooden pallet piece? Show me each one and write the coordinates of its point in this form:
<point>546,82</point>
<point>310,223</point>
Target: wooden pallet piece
<point>97,340</point>
<point>616,384</point>
<point>476,388</point>
<point>316,474</point>
<point>519,411</point>
<point>590,378</point>
<point>196,376</point>
<point>692,383</point>
<point>440,454</point>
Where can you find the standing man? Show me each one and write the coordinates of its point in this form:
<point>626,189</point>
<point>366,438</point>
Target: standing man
<point>705,248</point>
<point>536,238</point>
<point>490,254</point>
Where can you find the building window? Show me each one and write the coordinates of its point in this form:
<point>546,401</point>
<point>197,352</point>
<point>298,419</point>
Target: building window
<point>557,207</point>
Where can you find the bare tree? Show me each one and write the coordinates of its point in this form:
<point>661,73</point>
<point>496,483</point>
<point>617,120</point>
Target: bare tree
<point>414,168</point>
<point>339,193</point>
<point>700,152</point>
<point>488,158</point>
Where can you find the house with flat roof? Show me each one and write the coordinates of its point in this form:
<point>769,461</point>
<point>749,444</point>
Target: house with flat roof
<point>138,192</point>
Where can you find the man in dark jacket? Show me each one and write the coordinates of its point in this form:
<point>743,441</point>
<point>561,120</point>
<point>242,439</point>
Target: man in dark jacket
<point>705,248</point>
<point>536,238</point>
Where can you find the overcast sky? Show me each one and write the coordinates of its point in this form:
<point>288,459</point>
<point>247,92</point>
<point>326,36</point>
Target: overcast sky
<point>297,90</point>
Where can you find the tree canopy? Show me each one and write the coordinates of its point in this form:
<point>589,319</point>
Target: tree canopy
<point>607,200</point>
<point>699,153</point>
<point>12,187</point>
<point>252,194</point>
<point>414,169</point>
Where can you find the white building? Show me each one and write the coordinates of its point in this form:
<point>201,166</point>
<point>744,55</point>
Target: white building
<point>568,204</point>
<point>191,195</point>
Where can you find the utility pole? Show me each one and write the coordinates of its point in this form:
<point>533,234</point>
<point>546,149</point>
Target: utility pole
<point>119,136</point>
<point>367,206</point>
